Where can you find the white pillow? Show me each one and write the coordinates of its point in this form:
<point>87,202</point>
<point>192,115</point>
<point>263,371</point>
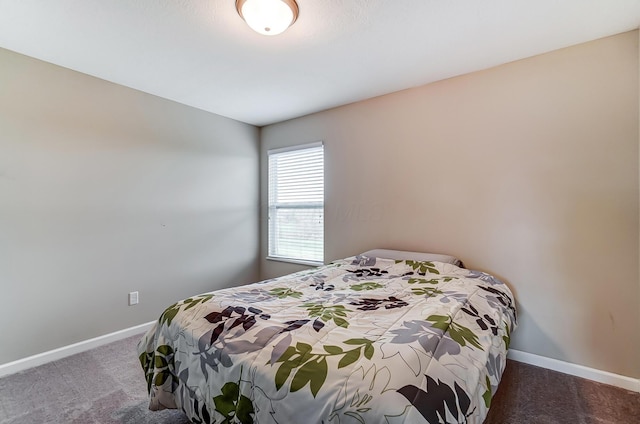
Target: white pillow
<point>413,256</point>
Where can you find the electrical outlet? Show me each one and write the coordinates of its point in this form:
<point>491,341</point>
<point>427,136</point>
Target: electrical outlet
<point>133,298</point>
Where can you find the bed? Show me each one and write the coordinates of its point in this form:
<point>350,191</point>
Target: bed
<point>374,338</point>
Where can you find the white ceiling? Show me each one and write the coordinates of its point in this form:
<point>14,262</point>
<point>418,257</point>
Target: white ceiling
<point>201,53</point>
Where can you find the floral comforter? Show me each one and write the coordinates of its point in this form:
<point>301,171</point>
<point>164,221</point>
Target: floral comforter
<point>363,340</point>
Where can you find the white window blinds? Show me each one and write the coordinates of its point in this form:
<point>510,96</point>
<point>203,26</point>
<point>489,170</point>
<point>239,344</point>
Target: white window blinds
<point>296,203</point>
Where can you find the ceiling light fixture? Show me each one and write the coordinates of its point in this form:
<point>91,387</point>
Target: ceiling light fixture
<point>268,17</point>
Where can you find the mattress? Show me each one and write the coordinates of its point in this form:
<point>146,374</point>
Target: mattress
<point>362,340</point>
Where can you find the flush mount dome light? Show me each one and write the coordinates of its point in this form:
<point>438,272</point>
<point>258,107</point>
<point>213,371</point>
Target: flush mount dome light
<point>268,17</point>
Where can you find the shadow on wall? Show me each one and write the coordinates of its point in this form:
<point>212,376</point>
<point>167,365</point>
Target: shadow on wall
<point>529,328</point>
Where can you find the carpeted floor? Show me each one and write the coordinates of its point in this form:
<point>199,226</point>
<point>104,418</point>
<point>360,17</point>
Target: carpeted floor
<point>106,386</point>
<point>533,395</point>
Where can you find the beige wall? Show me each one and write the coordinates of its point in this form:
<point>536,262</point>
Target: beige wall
<point>528,170</point>
<point>106,190</point>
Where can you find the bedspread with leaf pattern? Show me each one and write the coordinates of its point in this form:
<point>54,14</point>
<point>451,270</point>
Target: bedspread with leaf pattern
<point>363,340</point>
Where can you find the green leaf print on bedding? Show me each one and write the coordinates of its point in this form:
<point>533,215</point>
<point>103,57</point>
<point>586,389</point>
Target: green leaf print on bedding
<point>313,372</point>
<point>507,337</point>
<point>459,333</point>
<point>328,313</point>
<point>427,291</point>
<point>158,366</point>
<point>235,407</point>
<point>432,281</point>
<point>370,285</point>
<point>170,313</point>
<point>487,394</point>
<point>422,267</point>
<point>312,368</point>
<point>284,292</point>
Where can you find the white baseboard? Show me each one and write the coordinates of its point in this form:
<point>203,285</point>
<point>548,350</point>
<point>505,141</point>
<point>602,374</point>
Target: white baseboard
<point>618,380</point>
<point>63,352</point>
<point>622,381</point>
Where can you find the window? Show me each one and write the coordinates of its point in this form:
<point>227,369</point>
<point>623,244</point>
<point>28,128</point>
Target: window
<point>296,203</point>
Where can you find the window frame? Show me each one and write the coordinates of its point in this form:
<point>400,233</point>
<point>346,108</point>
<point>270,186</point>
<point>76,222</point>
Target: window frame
<point>271,223</point>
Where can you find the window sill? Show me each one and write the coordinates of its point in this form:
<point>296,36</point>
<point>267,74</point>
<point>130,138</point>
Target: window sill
<point>294,261</point>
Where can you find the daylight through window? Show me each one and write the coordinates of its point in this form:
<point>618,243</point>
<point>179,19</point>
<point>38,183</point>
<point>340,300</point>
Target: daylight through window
<point>296,203</point>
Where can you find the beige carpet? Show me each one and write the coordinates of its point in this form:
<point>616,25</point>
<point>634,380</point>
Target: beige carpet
<point>106,386</point>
